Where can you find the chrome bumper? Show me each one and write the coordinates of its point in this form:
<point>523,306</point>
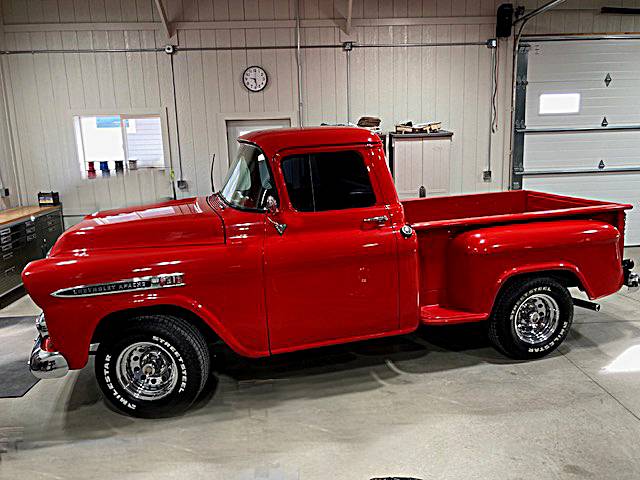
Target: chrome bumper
<point>45,364</point>
<point>631,279</point>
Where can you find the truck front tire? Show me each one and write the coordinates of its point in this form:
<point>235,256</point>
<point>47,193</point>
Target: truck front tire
<point>155,366</point>
<point>531,318</point>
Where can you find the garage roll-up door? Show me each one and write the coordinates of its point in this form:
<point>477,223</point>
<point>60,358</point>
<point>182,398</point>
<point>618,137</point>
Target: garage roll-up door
<point>580,128</point>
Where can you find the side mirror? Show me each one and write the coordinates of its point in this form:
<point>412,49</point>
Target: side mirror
<point>272,209</point>
<point>271,205</point>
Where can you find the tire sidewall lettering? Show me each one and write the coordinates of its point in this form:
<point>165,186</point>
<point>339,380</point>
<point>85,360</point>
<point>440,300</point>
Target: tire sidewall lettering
<point>111,382</point>
<point>560,332</point>
<point>182,367</point>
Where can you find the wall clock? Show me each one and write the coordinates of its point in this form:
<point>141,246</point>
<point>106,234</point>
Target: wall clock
<point>255,78</point>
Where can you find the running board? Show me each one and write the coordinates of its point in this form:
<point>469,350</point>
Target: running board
<point>579,302</point>
<point>437,315</point>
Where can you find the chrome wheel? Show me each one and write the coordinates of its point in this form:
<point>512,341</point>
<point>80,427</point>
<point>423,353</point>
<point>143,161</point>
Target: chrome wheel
<point>537,318</point>
<point>147,371</point>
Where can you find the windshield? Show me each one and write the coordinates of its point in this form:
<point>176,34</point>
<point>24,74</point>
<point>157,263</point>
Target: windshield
<point>248,182</point>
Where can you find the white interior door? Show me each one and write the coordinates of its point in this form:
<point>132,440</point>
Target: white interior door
<point>236,128</point>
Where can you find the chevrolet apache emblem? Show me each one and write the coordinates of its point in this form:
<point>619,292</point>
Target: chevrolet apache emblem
<point>164,280</point>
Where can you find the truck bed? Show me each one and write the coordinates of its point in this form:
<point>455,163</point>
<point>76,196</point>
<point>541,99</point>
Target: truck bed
<point>439,220</point>
<point>500,207</point>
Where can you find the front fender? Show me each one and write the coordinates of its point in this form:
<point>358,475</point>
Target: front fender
<point>73,340</point>
<point>482,260</point>
<point>222,285</point>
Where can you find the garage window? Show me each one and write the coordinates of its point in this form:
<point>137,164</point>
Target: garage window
<point>115,144</point>
<point>559,103</point>
<point>328,181</point>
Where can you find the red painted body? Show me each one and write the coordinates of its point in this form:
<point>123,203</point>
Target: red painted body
<point>330,278</point>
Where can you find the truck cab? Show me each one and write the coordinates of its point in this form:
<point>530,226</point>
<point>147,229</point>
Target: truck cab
<point>306,245</point>
<point>332,230</point>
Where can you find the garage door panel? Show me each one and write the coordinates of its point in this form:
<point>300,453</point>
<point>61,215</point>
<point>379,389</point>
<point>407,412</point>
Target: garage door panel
<point>581,67</point>
<point>611,187</point>
<point>618,70</point>
<point>561,151</point>
<point>583,60</point>
<point>620,103</point>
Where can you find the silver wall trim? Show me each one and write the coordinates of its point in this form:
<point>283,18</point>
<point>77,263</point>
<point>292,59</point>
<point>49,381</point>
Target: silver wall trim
<point>256,47</point>
<point>299,67</point>
<point>245,48</point>
<point>615,128</point>
<point>578,171</point>
<point>127,285</point>
<point>175,118</point>
<point>413,45</point>
<point>82,50</point>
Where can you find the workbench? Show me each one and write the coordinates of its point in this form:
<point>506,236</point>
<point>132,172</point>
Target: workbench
<point>26,234</point>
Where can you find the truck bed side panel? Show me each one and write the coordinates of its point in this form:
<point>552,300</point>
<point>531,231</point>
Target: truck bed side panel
<point>480,261</point>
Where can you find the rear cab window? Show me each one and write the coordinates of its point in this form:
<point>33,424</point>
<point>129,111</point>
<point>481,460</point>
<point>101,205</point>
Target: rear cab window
<point>318,182</point>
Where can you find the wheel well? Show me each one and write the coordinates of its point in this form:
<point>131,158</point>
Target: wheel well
<point>566,278</point>
<point>118,319</point>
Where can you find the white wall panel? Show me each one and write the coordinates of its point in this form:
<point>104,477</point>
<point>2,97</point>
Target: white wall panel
<point>70,11</point>
<point>47,89</point>
<point>450,84</point>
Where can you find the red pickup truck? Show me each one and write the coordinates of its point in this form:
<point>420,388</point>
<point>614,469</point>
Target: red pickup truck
<point>307,245</point>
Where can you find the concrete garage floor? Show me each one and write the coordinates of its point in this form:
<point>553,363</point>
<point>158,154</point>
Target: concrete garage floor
<point>440,404</point>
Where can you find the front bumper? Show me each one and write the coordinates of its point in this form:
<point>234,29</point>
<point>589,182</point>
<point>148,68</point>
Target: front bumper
<point>42,363</point>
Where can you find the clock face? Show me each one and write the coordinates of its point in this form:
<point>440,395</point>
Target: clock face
<point>255,79</point>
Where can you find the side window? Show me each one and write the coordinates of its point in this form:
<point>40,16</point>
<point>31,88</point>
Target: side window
<point>328,181</point>
<point>297,176</point>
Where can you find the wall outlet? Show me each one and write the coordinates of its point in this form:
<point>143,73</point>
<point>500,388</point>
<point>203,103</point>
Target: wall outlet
<point>182,184</point>
<point>486,175</point>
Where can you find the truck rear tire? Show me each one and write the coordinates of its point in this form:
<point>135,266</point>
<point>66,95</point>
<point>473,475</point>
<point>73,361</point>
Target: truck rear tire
<point>531,318</point>
<point>155,366</point>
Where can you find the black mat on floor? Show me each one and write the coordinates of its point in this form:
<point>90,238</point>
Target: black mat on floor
<point>16,340</point>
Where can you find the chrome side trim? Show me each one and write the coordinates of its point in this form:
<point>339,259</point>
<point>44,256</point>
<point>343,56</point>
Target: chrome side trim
<point>136,284</point>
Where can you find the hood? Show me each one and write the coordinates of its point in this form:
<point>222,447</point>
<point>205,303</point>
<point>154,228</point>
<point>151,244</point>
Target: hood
<point>184,222</point>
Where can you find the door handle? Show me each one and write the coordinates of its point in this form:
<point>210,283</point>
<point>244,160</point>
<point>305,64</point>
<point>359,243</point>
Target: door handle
<point>379,220</point>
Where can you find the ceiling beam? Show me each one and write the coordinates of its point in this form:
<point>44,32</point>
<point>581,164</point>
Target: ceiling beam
<point>163,17</point>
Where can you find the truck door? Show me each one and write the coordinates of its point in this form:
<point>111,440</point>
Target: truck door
<point>332,274</point>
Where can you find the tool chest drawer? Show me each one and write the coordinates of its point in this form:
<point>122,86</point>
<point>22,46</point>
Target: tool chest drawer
<point>24,238</point>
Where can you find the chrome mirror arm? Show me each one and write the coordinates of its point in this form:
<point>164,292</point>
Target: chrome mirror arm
<point>272,209</point>
<point>280,227</point>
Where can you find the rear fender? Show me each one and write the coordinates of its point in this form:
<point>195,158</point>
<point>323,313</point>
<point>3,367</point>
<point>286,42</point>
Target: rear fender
<point>484,259</point>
